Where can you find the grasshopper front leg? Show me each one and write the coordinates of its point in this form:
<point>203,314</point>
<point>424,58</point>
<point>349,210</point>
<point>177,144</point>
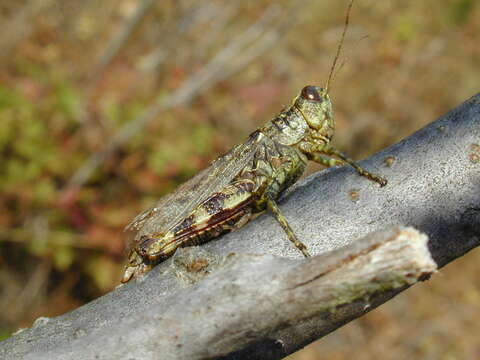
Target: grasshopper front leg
<point>272,205</point>
<point>329,162</point>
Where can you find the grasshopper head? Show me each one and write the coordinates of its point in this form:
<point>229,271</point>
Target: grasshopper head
<point>316,108</point>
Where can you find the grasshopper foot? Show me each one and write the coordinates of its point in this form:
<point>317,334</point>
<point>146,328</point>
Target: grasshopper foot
<point>136,267</point>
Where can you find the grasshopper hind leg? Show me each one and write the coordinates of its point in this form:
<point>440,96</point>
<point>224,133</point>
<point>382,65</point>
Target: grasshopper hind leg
<point>272,205</point>
<point>136,267</point>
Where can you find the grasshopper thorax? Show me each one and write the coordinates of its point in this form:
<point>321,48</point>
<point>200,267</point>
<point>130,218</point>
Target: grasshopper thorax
<point>308,119</point>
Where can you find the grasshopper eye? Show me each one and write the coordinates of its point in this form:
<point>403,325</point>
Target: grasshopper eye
<point>311,93</point>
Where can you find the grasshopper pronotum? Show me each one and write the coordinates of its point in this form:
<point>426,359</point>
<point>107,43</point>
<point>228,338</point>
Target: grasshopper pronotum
<point>243,182</point>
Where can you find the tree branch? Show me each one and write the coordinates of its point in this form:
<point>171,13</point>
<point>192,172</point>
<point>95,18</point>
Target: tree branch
<point>267,306</point>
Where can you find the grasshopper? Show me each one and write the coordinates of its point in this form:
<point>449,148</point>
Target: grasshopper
<point>244,182</point>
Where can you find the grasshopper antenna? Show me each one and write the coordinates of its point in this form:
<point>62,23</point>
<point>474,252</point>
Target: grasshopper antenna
<point>337,55</point>
<point>334,76</point>
<point>342,64</point>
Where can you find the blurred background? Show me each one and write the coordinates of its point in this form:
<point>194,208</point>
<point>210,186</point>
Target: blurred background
<point>107,105</point>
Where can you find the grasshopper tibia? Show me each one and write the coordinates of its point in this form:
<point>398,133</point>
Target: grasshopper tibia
<point>329,162</point>
<point>272,205</point>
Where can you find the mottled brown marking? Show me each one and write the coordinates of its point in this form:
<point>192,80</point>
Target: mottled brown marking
<point>389,160</point>
<point>218,224</point>
<point>475,148</point>
<point>276,162</point>
<point>184,225</point>
<point>354,195</point>
<point>197,265</point>
<point>280,123</point>
<point>254,135</point>
<point>227,213</point>
<point>246,187</point>
<point>215,204</point>
<point>144,244</point>
<point>474,158</point>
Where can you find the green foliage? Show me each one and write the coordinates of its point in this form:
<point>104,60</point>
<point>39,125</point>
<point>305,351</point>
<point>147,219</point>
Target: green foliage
<point>405,27</point>
<point>4,334</point>
<point>103,271</point>
<point>43,140</point>
<point>460,11</point>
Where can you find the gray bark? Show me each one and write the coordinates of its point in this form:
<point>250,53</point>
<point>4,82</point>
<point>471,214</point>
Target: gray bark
<point>205,304</point>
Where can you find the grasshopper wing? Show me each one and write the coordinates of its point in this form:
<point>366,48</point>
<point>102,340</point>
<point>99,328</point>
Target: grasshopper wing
<point>177,205</point>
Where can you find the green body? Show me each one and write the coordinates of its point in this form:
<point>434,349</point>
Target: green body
<point>245,181</point>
